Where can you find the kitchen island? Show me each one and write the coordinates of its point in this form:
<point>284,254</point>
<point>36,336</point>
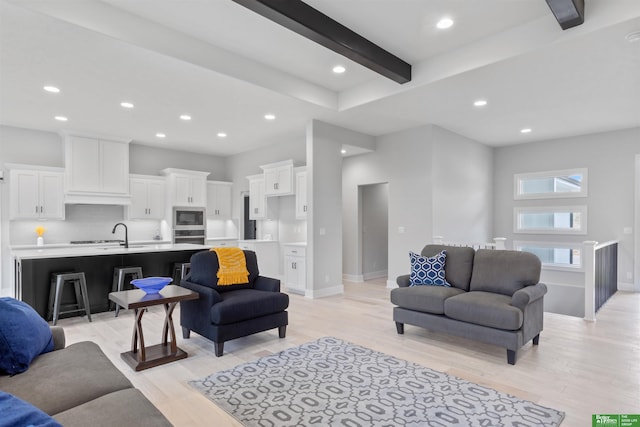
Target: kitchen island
<point>33,269</point>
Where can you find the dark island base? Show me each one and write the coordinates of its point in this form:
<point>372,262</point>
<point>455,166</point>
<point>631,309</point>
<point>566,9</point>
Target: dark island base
<point>36,275</point>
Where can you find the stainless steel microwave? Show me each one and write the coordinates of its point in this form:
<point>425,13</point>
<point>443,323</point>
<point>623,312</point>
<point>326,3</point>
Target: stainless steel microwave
<point>189,218</point>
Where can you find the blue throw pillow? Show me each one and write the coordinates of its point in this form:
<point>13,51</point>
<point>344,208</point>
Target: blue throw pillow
<point>23,336</point>
<point>16,412</point>
<point>428,270</point>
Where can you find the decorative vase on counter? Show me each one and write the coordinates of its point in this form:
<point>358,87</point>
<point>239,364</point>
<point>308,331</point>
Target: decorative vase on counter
<point>40,231</point>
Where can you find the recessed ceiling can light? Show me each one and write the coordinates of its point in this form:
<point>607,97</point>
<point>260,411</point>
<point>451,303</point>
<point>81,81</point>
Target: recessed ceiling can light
<point>269,116</point>
<point>343,151</point>
<point>480,103</point>
<point>185,117</point>
<point>633,36</point>
<point>444,23</point>
<point>126,104</point>
<point>525,130</point>
<point>222,135</point>
<point>51,89</point>
<point>61,118</point>
<point>339,69</point>
<point>160,135</point>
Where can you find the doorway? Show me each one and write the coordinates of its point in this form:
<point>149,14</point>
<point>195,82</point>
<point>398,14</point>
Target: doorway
<point>636,232</point>
<point>374,230</point>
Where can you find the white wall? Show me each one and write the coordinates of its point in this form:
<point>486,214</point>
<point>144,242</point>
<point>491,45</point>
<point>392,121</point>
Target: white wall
<point>609,158</point>
<point>375,230</point>
<point>147,160</point>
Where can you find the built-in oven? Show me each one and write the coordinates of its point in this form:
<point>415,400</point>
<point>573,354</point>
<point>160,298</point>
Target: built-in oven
<point>189,225</point>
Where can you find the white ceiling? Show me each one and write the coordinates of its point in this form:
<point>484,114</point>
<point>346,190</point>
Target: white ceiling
<point>227,66</point>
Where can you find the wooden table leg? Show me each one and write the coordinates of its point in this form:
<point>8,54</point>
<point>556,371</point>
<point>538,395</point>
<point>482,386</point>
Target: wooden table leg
<point>138,336</point>
<point>168,326</point>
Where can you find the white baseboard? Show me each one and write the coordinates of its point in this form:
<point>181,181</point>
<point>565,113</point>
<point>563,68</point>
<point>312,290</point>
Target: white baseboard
<point>391,284</point>
<point>326,292</point>
<point>357,278</point>
<point>375,274</point>
<point>627,287</point>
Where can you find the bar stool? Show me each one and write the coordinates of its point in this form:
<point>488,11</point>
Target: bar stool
<point>119,274</point>
<point>58,280</point>
<point>180,270</point>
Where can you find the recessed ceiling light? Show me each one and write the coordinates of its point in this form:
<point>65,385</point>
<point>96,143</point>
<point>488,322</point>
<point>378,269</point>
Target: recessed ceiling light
<point>480,103</point>
<point>339,69</point>
<point>222,135</point>
<point>633,36</point>
<point>343,151</point>
<point>61,118</point>
<point>444,23</point>
<point>185,117</point>
<point>160,135</point>
<point>126,104</point>
<point>525,130</point>
<point>269,116</point>
<point>51,89</point>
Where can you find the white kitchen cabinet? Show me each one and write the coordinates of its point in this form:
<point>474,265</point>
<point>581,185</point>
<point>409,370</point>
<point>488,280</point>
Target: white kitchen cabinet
<point>219,199</point>
<point>295,273</point>
<point>267,253</point>
<point>186,187</point>
<point>301,193</point>
<point>96,167</point>
<point>36,193</point>
<point>225,243</point>
<point>278,178</point>
<point>260,207</point>
<point>147,197</point>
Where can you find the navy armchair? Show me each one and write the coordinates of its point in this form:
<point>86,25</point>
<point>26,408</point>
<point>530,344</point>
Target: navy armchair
<point>224,313</point>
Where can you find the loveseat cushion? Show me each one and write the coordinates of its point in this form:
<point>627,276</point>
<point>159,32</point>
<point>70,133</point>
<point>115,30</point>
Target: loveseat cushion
<point>458,266</point>
<point>110,410</point>
<point>484,308</point>
<point>428,270</point>
<point>66,378</point>
<point>204,271</point>
<point>504,272</point>
<point>427,299</point>
<point>244,304</point>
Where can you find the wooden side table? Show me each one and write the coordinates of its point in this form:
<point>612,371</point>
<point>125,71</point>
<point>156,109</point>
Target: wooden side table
<point>142,357</point>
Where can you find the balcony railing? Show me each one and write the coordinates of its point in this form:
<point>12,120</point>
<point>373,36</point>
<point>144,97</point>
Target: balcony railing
<point>600,275</point>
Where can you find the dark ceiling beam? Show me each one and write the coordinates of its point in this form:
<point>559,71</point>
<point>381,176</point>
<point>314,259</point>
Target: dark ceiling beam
<point>568,13</point>
<point>314,25</point>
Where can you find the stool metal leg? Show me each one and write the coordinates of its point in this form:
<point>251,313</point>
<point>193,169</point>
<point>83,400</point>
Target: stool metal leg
<point>56,301</point>
<point>85,296</point>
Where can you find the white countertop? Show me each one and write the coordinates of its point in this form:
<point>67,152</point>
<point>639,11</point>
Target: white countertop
<point>257,241</point>
<point>44,252</point>
<point>299,244</point>
<point>213,239</point>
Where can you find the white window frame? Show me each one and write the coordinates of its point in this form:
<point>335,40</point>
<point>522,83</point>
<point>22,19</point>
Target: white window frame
<point>520,177</point>
<point>518,246</point>
<point>517,228</point>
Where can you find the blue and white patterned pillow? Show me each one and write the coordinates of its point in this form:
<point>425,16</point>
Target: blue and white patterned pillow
<point>427,270</point>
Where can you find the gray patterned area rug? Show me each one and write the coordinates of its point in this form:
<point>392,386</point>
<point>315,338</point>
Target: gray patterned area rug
<point>330,382</point>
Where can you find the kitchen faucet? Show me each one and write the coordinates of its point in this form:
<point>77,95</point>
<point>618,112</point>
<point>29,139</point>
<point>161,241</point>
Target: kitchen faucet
<point>126,233</point>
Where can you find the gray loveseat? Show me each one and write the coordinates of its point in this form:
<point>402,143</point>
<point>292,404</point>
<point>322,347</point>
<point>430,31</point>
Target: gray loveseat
<point>79,386</point>
<point>495,297</point>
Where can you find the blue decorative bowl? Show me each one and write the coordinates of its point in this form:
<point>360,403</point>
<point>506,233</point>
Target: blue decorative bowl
<point>151,285</point>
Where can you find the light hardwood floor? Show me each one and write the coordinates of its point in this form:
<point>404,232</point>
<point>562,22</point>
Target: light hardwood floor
<point>580,368</point>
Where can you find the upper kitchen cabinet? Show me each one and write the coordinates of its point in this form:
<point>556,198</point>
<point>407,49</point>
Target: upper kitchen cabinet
<point>147,197</point>
<point>186,187</point>
<point>301,192</point>
<point>97,170</point>
<point>260,207</point>
<point>219,199</point>
<point>278,178</point>
<point>36,193</point>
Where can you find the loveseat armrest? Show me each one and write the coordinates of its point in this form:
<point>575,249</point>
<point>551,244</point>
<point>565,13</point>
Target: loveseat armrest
<point>403,281</point>
<point>208,297</point>
<point>527,295</point>
<point>263,283</point>
<point>59,341</point>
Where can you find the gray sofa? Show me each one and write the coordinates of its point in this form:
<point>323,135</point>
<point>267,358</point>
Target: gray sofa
<point>78,386</point>
<point>495,297</point>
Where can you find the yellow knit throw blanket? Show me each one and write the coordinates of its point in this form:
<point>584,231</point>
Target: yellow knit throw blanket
<point>232,268</point>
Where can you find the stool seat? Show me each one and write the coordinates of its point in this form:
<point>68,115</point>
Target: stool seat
<point>58,280</point>
<point>119,275</point>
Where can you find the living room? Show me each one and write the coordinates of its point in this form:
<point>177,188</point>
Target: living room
<point>449,175</point>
